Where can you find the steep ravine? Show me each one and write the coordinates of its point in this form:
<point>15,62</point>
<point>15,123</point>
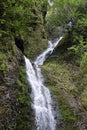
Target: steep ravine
<point>24,22</point>
<point>45,119</point>
<point>30,37</point>
<point>15,109</point>
<point>60,73</point>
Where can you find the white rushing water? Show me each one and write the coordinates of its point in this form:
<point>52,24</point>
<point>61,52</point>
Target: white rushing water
<point>40,94</point>
<point>50,2</point>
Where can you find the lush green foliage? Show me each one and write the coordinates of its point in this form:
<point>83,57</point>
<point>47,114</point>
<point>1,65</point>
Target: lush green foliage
<point>79,49</point>
<point>19,16</point>
<point>23,19</point>
<point>24,117</point>
<point>59,79</point>
<point>62,12</point>
<point>71,53</point>
<point>76,11</point>
<point>67,112</point>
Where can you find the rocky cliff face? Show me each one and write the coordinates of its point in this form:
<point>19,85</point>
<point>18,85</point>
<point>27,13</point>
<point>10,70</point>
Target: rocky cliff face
<point>15,110</point>
<point>19,35</point>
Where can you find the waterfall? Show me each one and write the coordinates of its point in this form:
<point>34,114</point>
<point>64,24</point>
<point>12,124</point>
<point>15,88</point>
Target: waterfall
<point>40,94</point>
<point>50,2</point>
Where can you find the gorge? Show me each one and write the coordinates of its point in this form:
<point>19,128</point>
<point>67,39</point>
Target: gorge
<point>40,94</point>
<point>28,101</point>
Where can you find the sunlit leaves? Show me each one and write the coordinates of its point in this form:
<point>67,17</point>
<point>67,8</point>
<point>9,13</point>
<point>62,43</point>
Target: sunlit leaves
<point>63,11</point>
<point>20,15</point>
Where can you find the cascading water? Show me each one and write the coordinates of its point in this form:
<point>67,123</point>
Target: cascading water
<point>50,2</point>
<point>41,98</point>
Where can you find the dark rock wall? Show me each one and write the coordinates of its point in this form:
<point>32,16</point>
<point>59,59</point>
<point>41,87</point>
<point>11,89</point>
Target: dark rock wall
<point>15,107</point>
<point>22,32</point>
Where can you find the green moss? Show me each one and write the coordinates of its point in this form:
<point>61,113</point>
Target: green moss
<point>58,73</point>
<point>8,53</point>
<point>3,63</point>
<point>35,44</point>
<point>84,98</point>
<point>60,79</point>
<point>22,19</point>
<point>65,109</point>
<point>24,116</point>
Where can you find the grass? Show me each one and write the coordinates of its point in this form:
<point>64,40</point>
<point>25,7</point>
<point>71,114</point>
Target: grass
<point>59,77</point>
<point>66,111</point>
